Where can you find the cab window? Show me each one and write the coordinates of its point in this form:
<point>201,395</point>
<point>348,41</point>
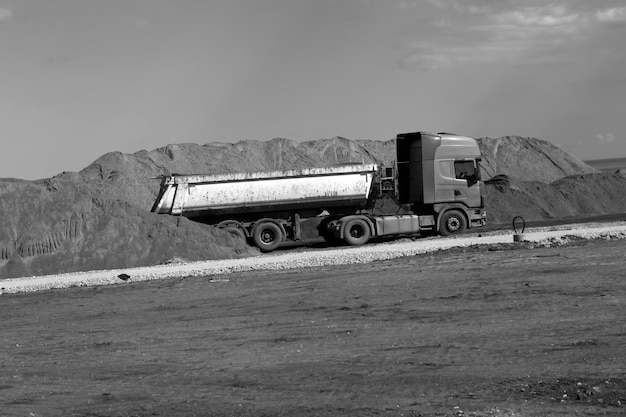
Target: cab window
<point>464,170</point>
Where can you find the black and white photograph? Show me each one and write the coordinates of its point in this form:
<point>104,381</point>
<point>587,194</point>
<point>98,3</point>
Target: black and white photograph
<point>312,208</point>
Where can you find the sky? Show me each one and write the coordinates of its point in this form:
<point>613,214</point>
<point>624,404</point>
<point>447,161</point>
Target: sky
<point>80,78</point>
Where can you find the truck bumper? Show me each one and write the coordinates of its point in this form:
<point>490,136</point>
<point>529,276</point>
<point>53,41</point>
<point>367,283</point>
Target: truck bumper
<point>478,218</point>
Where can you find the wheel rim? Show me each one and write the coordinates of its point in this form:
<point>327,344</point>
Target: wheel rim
<point>267,236</point>
<point>453,224</point>
<point>357,231</point>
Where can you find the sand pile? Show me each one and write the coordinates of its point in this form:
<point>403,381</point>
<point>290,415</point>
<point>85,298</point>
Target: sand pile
<point>528,159</point>
<point>69,223</point>
<point>576,196</point>
<point>99,217</point>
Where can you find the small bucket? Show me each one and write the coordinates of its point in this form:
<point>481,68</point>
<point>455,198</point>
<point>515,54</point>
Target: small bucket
<point>518,236</point>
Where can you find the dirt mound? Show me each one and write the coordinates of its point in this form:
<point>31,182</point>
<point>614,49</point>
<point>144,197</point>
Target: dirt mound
<point>538,180</point>
<point>528,159</point>
<point>100,217</point>
<point>128,176</point>
<point>66,224</point>
<point>581,195</point>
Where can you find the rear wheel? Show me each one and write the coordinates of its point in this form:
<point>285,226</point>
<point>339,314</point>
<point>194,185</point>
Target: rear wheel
<point>267,236</point>
<point>356,232</point>
<point>452,222</point>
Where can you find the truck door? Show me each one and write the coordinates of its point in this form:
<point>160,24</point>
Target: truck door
<point>466,182</point>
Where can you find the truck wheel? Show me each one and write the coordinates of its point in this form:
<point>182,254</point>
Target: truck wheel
<point>452,223</point>
<point>356,232</point>
<point>267,236</point>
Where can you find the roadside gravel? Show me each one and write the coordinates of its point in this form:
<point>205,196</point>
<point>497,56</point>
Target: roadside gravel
<point>550,236</point>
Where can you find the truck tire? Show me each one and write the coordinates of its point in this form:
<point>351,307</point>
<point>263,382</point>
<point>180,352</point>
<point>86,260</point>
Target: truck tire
<point>267,236</point>
<point>452,222</point>
<point>356,232</point>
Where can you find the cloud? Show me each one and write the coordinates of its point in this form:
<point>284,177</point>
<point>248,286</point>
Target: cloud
<point>612,15</point>
<point>5,14</point>
<point>542,16</point>
<point>519,35</point>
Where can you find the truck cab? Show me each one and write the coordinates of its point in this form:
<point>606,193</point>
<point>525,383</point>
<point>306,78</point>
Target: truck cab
<point>439,176</point>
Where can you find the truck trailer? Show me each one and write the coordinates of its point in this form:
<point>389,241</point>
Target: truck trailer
<point>438,180</point>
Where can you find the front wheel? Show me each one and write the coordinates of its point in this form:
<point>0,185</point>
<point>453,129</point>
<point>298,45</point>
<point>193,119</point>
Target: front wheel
<point>356,232</point>
<point>452,223</point>
<point>267,236</point>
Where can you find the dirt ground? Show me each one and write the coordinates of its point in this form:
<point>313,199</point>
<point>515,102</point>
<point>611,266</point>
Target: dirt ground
<point>500,331</point>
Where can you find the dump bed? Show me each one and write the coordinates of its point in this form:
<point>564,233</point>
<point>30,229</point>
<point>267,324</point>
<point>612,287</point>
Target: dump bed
<point>267,191</point>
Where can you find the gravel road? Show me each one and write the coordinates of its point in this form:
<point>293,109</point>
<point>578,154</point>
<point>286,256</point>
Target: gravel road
<point>548,236</point>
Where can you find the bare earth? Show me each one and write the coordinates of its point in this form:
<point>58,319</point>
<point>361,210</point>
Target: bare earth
<point>477,332</point>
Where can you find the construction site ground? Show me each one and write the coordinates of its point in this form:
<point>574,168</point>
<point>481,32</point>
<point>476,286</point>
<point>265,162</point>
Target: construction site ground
<point>502,330</point>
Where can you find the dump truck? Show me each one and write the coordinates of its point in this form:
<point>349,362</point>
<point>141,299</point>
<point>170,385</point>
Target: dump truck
<point>437,179</point>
